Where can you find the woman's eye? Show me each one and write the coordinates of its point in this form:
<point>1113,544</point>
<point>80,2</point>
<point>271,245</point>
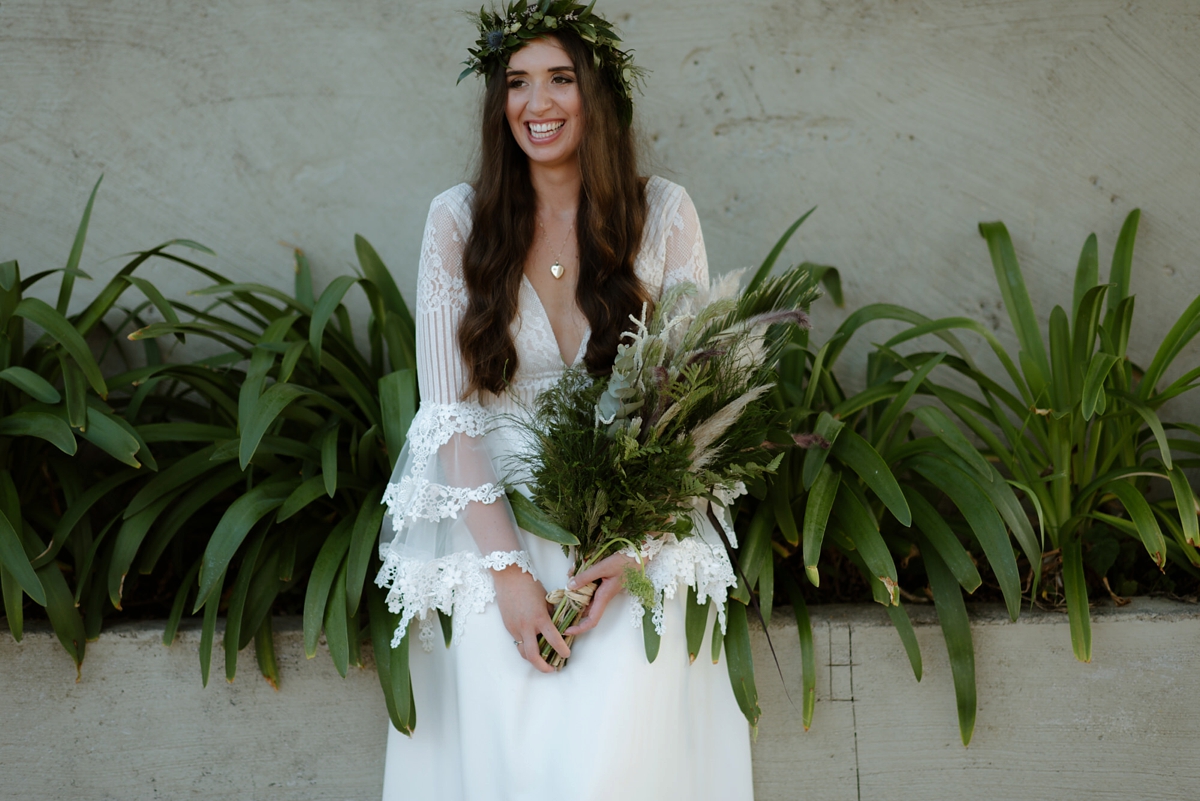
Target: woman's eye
<point>515,83</point>
<point>561,79</point>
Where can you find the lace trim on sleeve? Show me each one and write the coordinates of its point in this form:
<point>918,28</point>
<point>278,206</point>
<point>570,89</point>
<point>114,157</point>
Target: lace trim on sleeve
<point>456,584</point>
<point>690,562</point>
<point>414,497</point>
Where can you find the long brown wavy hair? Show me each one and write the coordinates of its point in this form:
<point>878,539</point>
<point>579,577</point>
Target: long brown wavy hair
<point>609,221</point>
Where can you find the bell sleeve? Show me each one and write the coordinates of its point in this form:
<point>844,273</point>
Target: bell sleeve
<point>700,561</point>
<point>448,524</point>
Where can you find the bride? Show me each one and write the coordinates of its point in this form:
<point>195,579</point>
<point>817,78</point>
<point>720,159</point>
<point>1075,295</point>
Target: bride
<point>533,267</point>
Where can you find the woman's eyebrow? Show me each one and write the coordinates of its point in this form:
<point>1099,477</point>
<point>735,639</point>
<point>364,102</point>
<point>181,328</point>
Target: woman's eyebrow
<point>511,73</point>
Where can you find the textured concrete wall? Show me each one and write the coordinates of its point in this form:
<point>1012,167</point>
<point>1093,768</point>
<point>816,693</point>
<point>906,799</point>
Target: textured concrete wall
<point>243,124</point>
<point>138,726</point>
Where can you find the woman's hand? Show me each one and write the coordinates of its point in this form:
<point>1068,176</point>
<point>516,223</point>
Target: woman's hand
<point>610,572</point>
<point>522,602</point>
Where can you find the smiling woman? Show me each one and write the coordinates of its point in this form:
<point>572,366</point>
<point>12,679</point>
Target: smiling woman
<point>534,267</point>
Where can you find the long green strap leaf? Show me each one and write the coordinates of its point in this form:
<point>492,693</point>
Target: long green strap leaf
<point>233,527</point>
<point>31,383</point>
<point>1143,518</point>
<point>808,658</point>
<point>908,637</point>
<point>816,517</point>
<point>237,604</point>
<point>858,525</point>
<point>68,281</point>
<point>695,623</point>
<point>56,326</point>
<point>1185,500</point>
<point>14,560</point>
<point>857,454</point>
<point>1075,590</point>
<point>985,521</point>
<point>323,310</point>
<point>740,661</point>
<point>1122,263</point>
<point>1020,307</point>
<point>362,545</point>
<point>320,582</point>
<point>956,630</point>
<point>45,426</point>
<point>1087,276</point>
<point>950,551</point>
<point>531,518</point>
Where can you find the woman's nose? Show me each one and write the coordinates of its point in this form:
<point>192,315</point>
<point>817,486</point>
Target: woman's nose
<point>541,100</point>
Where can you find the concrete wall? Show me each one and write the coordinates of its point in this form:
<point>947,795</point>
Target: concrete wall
<point>138,725</point>
<point>243,124</point>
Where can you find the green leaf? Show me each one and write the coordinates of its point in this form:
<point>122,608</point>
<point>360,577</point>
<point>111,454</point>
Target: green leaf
<point>75,388</point>
<point>1143,518</point>
<point>108,435</point>
<point>64,615</point>
<point>857,454</point>
<point>31,384</point>
<point>828,427</point>
<point>302,496</point>
<point>1122,263</point>
<point>956,630</point>
<point>1016,300</point>
<point>398,404</point>
<point>944,429</point>
<point>1087,275</point>
<point>14,560</point>
<point>755,543</point>
<point>264,653</point>
<point>209,627</point>
<point>695,622</point>
<point>1155,425</point>
<point>320,582</point>
<point>1062,384</point>
<point>237,604</point>
<point>41,425</point>
<point>362,545</point>
<point>859,526</point>
<point>902,398</point>
<point>375,271</point>
<point>740,661</point>
<point>768,263</point>
<point>57,328</point>
<point>68,281</point>
<point>1181,333</point>
<point>329,452</point>
<point>181,598</point>
<point>531,518</point>
<point>779,495</point>
<point>651,639</point>
<point>337,634</point>
<point>950,551</point>
<point>323,310</point>
<point>816,517</point>
<point>129,539</point>
<point>263,412</point>
<point>157,299</point>
<point>396,689</point>
<point>233,527</point>
<point>908,637</point>
<point>14,599</point>
<point>303,281</point>
<point>1094,400</point>
<point>1075,590</point>
<point>1087,325</point>
<point>1185,501</point>
<point>981,515</point>
<point>808,659</point>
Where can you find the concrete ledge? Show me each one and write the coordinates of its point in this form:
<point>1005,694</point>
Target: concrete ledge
<point>138,725</point>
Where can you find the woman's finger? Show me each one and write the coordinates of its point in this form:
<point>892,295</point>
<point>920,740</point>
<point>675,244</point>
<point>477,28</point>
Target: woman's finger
<point>529,650</point>
<point>609,567</point>
<point>595,610</point>
<point>556,640</point>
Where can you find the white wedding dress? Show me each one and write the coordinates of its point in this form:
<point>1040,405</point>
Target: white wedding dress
<point>489,726</point>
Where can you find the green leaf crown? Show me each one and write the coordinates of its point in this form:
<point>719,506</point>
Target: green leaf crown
<point>502,34</point>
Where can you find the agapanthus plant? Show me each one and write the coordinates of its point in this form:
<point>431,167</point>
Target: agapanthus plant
<point>620,461</point>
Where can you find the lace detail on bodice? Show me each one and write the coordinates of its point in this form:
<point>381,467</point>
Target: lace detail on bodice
<point>456,584</point>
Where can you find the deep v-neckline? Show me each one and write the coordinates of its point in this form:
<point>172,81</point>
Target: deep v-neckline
<point>587,329</point>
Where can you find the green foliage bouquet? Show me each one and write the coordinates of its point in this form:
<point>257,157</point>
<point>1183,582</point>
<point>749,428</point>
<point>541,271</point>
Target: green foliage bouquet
<point>619,463</point>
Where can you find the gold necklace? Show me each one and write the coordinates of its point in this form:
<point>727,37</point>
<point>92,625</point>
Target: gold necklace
<point>556,269</point>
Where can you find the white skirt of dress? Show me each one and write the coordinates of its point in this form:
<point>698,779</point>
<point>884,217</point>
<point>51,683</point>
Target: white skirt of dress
<point>609,725</point>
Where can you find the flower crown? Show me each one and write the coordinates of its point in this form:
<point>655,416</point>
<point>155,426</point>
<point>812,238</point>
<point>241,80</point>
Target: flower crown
<point>501,35</point>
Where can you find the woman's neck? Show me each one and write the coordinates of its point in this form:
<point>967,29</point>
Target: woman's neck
<point>557,189</point>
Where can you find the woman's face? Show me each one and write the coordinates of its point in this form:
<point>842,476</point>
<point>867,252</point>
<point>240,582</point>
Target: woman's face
<point>544,109</point>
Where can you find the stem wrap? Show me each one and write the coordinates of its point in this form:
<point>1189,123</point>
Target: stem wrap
<point>568,606</point>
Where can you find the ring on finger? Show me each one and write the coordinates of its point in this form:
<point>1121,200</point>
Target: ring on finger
<point>518,643</point>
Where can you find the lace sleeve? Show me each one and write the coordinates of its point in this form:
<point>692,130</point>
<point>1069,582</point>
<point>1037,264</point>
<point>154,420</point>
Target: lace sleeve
<point>685,259</point>
<point>448,522</point>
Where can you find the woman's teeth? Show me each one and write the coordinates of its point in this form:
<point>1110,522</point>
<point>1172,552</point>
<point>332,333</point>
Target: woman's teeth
<point>544,130</point>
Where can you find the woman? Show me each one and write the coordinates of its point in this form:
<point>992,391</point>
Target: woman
<point>534,267</point>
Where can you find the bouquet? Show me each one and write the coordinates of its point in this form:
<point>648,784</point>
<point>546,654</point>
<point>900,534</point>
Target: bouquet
<point>621,459</point>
